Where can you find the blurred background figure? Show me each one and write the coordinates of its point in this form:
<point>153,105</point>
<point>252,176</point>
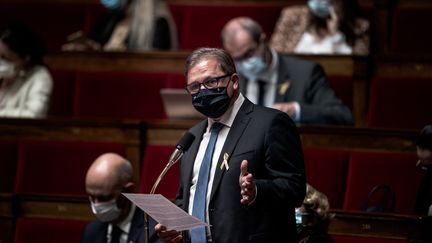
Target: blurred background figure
<point>424,153</point>
<point>25,82</point>
<point>293,85</point>
<point>129,25</point>
<point>313,218</point>
<point>322,27</point>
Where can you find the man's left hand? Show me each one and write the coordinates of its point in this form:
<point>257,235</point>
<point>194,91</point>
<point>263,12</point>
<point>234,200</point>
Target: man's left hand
<point>247,184</point>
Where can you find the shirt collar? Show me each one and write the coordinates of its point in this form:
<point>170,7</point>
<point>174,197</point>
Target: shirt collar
<point>125,225</point>
<point>228,117</point>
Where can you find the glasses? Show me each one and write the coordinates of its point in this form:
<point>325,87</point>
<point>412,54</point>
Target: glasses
<point>210,83</point>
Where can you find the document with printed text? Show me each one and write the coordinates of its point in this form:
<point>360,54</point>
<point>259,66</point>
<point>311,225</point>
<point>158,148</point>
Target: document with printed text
<point>164,211</point>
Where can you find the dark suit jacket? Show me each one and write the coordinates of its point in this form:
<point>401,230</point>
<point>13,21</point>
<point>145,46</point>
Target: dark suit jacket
<point>96,231</point>
<point>268,139</point>
<point>305,82</point>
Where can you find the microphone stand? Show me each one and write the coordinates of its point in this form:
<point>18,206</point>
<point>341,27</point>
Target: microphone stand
<point>155,185</point>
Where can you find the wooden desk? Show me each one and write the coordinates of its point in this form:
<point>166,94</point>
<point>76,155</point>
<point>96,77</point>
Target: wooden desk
<point>328,137</point>
<point>125,132</point>
<point>356,68</point>
<point>379,225</point>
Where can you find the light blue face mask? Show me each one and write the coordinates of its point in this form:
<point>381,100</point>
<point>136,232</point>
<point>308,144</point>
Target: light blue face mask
<point>112,4</point>
<point>320,8</point>
<point>252,67</point>
<point>298,216</point>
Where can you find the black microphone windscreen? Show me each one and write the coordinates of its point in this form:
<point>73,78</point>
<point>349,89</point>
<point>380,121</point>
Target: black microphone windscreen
<point>186,141</point>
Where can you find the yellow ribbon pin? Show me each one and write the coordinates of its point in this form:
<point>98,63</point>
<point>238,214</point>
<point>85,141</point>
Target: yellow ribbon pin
<point>283,87</point>
<point>225,162</point>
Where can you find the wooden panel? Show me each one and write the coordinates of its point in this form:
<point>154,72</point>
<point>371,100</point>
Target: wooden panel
<point>55,207</point>
<point>332,137</point>
<point>378,225</point>
<point>125,132</point>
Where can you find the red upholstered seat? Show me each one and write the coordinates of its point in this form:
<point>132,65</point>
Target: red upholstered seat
<point>38,230</point>
<point>200,25</point>
<point>61,103</point>
<point>343,87</point>
<point>8,159</point>
<point>368,169</point>
<point>326,170</point>
<point>405,35</point>
<point>58,167</point>
<point>121,95</point>
<point>52,21</point>
<point>400,102</point>
<point>155,159</point>
<point>360,239</point>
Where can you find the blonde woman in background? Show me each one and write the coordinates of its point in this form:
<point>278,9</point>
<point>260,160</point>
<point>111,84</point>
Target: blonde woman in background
<point>129,25</point>
<point>313,218</point>
<point>322,27</point>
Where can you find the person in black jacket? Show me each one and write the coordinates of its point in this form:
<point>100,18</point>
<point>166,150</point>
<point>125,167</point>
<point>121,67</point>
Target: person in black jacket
<point>295,86</point>
<point>424,152</point>
<point>313,218</point>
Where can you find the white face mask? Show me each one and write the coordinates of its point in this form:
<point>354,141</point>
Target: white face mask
<point>7,69</point>
<point>252,67</point>
<point>106,211</point>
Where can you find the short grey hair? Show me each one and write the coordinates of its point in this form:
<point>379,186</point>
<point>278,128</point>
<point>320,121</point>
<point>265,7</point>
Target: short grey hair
<point>226,63</point>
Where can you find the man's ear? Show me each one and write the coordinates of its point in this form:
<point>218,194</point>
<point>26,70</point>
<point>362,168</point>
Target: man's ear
<point>235,80</point>
<point>129,187</point>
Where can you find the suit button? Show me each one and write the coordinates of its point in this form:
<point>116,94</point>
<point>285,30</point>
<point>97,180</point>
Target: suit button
<point>212,209</point>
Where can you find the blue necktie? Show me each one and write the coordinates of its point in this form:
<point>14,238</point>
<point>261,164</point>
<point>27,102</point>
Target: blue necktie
<point>198,235</point>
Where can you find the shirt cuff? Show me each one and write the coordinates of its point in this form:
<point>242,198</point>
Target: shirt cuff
<point>296,115</point>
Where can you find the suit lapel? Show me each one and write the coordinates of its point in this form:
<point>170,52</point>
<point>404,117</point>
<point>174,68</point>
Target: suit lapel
<point>240,123</point>
<point>283,82</point>
<point>136,226</point>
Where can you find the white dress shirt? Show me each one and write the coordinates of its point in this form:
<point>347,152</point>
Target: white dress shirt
<point>227,119</point>
<point>125,226</point>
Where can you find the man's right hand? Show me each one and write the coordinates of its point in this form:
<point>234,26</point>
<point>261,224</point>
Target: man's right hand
<point>168,236</point>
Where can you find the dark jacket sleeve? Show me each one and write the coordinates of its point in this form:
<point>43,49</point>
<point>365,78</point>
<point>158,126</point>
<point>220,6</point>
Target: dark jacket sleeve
<point>321,104</point>
<point>286,178</point>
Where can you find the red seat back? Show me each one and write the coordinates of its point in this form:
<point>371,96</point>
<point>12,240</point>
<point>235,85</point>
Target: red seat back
<point>58,168</point>
<point>39,230</point>
<point>361,239</point>
<point>368,169</point>
<point>326,171</point>
<point>200,25</point>
<point>120,95</point>
<point>155,159</point>
<point>8,160</point>
<point>401,103</point>
<point>61,103</point>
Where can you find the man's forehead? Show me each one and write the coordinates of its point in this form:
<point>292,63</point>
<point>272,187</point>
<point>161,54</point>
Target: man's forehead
<point>239,44</point>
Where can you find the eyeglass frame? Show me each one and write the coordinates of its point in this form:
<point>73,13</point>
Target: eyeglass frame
<point>205,82</point>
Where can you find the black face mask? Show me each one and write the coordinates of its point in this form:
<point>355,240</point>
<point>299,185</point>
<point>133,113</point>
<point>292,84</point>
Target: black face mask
<point>212,103</point>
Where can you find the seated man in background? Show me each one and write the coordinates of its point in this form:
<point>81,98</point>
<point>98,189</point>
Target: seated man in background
<point>424,152</point>
<point>313,218</point>
<point>295,86</point>
<point>118,220</point>
<point>25,82</point>
<point>129,25</point>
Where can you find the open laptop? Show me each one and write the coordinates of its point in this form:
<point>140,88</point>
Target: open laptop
<point>178,104</point>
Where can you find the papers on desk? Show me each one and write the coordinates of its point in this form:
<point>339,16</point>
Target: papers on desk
<point>164,211</point>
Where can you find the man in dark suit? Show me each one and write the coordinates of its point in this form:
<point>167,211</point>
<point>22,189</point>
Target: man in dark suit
<point>423,204</point>
<point>254,160</point>
<point>295,86</point>
<point>118,221</point>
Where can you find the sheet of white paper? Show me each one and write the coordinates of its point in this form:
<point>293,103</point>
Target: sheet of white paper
<point>164,211</point>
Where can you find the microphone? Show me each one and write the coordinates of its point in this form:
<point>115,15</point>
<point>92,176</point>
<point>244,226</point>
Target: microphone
<point>181,147</point>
